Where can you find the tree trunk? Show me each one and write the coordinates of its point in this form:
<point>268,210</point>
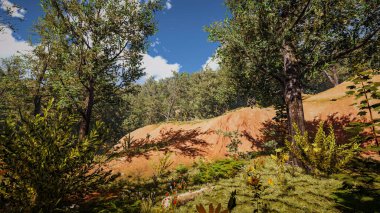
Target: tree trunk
<point>38,97</point>
<point>333,78</point>
<point>293,100</point>
<point>293,97</point>
<point>293,91</point>
<point>89,104</point>
<point>37,105</point>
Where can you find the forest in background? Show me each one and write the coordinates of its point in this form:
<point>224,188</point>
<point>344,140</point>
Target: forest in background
<point>207,94</point>
<point>75,95</point>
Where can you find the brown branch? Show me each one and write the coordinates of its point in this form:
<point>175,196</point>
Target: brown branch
<point>301,14</point>
<point>72,98</point>
<point>365,42</point>
<point>67,23</point>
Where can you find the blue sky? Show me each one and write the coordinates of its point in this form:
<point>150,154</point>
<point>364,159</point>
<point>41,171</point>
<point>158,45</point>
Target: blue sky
<point>180,43</point>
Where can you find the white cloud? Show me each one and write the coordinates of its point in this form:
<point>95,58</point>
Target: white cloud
<point>212,63</point>
<point>169,4</point>
<point>13,10</point>
<point>158,67</point>
<point>9,45</point>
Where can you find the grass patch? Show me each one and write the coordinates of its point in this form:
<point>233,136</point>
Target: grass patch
<point>210,172</point>
<point>356,189</point>
<point>360,190</point>
<point>302,193</point>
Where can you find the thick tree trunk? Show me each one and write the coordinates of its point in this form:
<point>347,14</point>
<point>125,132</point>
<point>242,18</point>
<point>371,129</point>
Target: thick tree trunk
<point>293,100</point>
<point>293,96</point>
<point>84,129</point>
<point>293,91</point>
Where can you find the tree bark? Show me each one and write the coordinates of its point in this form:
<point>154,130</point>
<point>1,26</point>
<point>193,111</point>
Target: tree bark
<point>84,129</point>
<point>293,92</point>
<point>293,98</point>
<point>333,78</point>
<point>38,97</point>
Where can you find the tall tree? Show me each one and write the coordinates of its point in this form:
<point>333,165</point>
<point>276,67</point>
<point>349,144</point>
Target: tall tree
<point>96,45</point>
<point>283,42</point>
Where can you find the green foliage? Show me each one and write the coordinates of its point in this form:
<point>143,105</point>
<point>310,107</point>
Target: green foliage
<point>359,190</point>
<point>108,206</point>
<point>95,49</point>
<point>254,180</point>
<point>127,142</point>
<point>45,164</point>
<point>273,47</point>
<point>281,158</point>
<point>309,194</point>
<point>270,146</point>
<point>183,97</point>
<point>367,91</point>
<point>323,156</point>
<point>181,169</point>
<point>253,37</point>
<point>15,87</point>
<point>330,76</point>
<point>234,136</point>
<point>209,172</point>
<point>161,167</point>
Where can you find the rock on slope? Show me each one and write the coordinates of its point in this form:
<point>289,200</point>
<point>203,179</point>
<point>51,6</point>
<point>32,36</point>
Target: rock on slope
<point>200,139</point>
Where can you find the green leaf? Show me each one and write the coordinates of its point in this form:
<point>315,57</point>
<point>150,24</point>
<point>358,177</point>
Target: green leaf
<point>278,150</point>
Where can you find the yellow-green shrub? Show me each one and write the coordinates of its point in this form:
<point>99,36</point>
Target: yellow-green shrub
<point>323,156</point>
<point>46,165</point>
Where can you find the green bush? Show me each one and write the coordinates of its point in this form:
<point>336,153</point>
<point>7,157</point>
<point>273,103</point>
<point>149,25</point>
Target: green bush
<point>46,166</point>
<point>209,172</point>
<point>270,146</point>
<point>323,156</point>
<point>234,136</point>
<point>182,169</point>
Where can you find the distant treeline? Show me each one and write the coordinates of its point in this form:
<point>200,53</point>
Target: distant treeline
<point>199,95</point>
<point>182,97</point>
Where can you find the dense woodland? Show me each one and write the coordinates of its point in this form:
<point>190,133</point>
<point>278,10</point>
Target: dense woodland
<point>206,94</point>
<point>64,105</point>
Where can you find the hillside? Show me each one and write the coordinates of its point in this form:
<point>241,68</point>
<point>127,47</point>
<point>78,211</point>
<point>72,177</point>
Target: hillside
<point>202,139</point>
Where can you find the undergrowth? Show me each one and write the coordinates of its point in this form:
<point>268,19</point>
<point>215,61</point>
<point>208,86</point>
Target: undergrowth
<point>210,172</point>
<point>355,189</point>
<point>302,193</point>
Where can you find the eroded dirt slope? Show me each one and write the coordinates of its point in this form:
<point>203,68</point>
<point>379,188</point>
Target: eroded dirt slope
<point>202,139</point>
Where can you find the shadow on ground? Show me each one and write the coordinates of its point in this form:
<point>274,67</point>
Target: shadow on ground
<point>360,191</point>
<point>277,130</point>
<point>186,142</point>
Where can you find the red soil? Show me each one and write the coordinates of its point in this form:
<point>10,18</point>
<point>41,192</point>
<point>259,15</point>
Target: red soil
<point>199,139</point>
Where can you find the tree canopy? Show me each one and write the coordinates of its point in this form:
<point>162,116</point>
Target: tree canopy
<point>182,97</point>
<point>276,45</point>
<point>95,49</point>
